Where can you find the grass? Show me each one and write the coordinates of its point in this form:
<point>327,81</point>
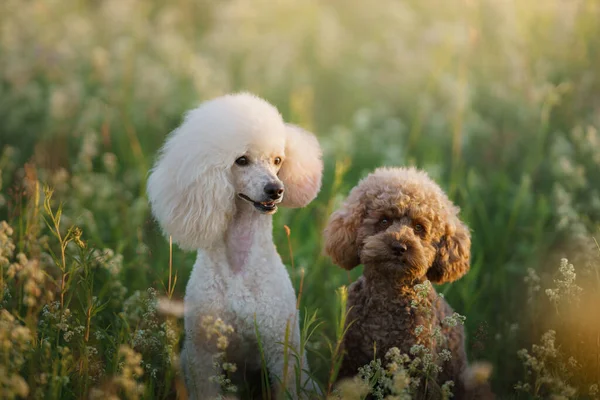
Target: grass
<point>496,100</point>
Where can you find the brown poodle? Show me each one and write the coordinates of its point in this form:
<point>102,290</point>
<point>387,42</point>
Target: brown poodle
<point>403,228</point>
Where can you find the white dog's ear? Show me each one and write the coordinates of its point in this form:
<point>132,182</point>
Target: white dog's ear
<point>190,192</point>
<point>302,168</point>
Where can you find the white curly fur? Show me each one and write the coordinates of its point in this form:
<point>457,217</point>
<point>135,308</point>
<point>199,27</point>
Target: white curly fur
<point>238,276</point>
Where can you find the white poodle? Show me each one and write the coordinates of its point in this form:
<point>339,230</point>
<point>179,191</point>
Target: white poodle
<point>217,182</point>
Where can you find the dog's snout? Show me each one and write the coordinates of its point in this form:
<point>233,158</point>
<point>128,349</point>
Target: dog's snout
<point>399,247</point>
<point>274,190</point>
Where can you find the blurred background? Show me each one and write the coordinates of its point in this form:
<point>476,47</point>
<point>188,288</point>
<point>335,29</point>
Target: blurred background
<point>499,100</point>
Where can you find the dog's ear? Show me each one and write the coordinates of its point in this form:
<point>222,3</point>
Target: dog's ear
<point>302,168</point>
<point>453,255</point>
<point>190,190</point>
<point>341,232</point>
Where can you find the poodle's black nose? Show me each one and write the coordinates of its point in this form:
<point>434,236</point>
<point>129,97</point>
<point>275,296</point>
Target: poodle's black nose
<point>274,190</point>
<point>399,248</point>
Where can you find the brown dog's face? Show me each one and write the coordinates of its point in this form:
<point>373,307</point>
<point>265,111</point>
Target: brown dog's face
<point>398,240</point>
<point>399,223</point>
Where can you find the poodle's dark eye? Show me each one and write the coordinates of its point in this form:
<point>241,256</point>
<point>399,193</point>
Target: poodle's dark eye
<point>385,223</point>
<point>242,161</point>
<point>419,228</point>
<point>277,160</point>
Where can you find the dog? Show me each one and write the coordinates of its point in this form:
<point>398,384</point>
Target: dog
<point>402,227</point>
<point>218,180</point>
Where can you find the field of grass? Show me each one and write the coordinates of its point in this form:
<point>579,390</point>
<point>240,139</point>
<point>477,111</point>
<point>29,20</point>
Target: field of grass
<point>498,100</point>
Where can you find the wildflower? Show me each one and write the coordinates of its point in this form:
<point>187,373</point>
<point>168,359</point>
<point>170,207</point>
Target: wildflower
<point>222,342</point>
<point>523,387</point>
<point>532,280</point>
<point>445,355</point>
<point>60,103</point>
<point>392,367</point>
<point>33,277</point>
<point>15,342</point>
<point>130,370</point>
<point>572,362</point>
<point>401,382</point>
<point>12,385</point>
<point>100,59</point>
<point>170,307</point>
<point>454,320</point>
<point>419,329</point>
<point>216,327</point>
<point>478,373</point>
<point>393,353</point>
<point>7,247</point>
<point>417,349</point>
<point>437,336</point>
<point>566,288</point>
<point>352,389</point>
<point>230,367</point>
<point>447,390</point>
<point>110,162</point>
<point>88,151</point>
<point>110,261</point>
<point>538,367</point>
<point>101,394</point>
<point>422,289</point>
<point>221,378</point>
<point>60,180</point>
<point>396,356</point>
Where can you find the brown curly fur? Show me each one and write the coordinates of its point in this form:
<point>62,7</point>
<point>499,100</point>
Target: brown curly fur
<point>396,255</point>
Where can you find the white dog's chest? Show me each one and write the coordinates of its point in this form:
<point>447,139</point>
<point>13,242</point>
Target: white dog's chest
<point>246,299</point>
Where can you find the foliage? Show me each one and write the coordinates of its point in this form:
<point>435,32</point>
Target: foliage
<point>496,100</point>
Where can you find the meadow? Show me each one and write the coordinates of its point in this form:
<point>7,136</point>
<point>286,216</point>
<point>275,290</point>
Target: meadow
<point>498,100</point>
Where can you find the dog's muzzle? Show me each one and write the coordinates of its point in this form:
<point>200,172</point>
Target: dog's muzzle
<point>265,207</point>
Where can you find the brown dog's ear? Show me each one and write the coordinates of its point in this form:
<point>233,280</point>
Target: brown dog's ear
<point>341,231</point>
<point>454,254</point>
